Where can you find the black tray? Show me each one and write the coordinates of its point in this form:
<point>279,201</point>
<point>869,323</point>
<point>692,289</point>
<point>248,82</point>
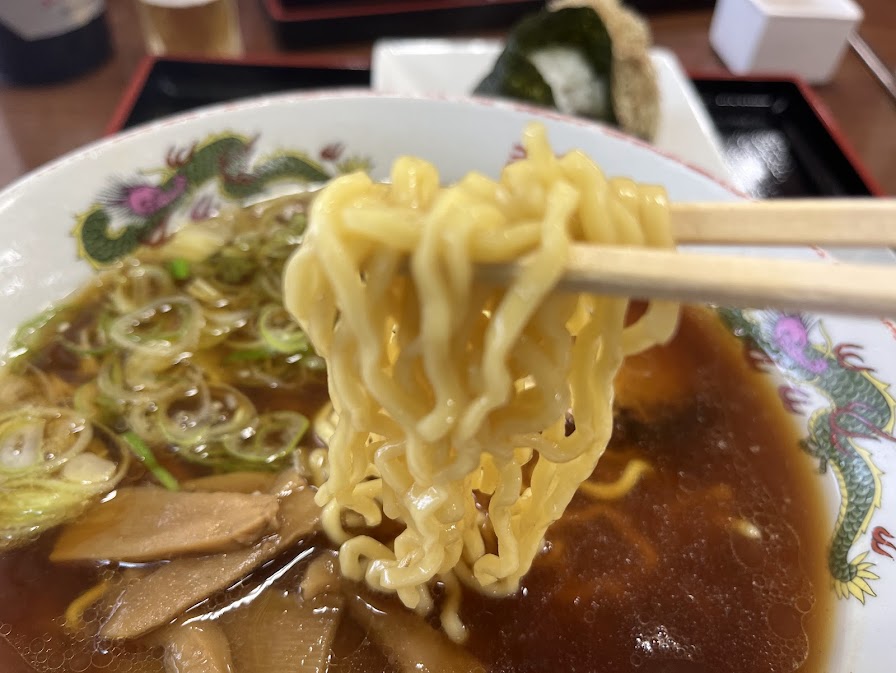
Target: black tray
<point>780,140</point>
<point>163,86</point>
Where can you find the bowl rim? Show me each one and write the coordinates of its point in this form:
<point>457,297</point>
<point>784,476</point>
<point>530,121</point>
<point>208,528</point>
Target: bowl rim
<point>257,102</point>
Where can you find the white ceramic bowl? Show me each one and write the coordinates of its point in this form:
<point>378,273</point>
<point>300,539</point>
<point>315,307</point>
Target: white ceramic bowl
<point>129,178</point>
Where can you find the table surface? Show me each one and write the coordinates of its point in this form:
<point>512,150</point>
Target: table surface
<point>41,123</point>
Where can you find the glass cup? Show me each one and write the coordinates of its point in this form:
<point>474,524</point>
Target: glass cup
<point>209,27</point>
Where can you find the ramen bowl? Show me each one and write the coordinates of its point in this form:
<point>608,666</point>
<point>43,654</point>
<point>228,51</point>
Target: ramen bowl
<point>93,208</point>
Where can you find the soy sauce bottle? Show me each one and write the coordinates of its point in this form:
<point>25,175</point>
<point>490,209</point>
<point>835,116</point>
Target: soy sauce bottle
<point>43,41</point>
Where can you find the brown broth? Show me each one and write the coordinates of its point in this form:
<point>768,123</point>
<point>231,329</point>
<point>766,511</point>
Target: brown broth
<point>655,581</point>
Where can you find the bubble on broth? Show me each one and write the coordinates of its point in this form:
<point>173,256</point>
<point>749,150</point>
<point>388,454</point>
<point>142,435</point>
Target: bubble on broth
<point>749,552</point>
<point>79,651</point>
<point>784,598</point>
<point>656,641</point>
<point>804,603</point>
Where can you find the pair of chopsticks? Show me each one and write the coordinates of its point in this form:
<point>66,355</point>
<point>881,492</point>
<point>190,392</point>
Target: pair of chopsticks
<point>754,282</point>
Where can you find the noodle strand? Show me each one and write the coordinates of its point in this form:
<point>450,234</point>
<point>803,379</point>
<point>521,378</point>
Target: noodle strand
<point>452,398</point>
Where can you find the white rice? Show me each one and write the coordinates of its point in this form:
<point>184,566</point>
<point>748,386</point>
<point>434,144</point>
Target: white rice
<point>576,88</point>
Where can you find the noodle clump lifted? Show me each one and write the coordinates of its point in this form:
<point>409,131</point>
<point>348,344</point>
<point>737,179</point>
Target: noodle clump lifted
<point>452,396</point>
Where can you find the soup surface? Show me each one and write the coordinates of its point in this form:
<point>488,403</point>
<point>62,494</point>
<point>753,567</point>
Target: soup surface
<point>666,578</point>
<point>712,560</point>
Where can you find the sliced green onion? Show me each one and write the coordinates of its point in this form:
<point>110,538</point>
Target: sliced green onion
<point>30,509</point>
<point>183,384</point>
<point>32,333</point>
<point>314,363</point>
<point>283,240</point>
<point>213,456</point>
<point>138,380</point>
<point>207,456</point>
<point>37,440</point>
<point>183,419</point>
<point>88,468</point>
<point>276,436</point>
<point>86,351</point>
<point>92,340</point>
<point>248,354</point>
<point>218,411</point>
<point>149,329</point>
<point>247,338</point>
<point>138,285</point>
<point>231,268</point>
<point>21,444</point>
<point>270,281</point>
<point>18,389</point>
<point>194,243</point>
<point>298,222</point>
<point>277,371</point>
<point>282,211</point>
<point>220,324</point>
<point>85,400</point>
<point>280,331</point>
<point>206,293</point>
<point>179,268</point>
<point>222,318</point>
<point>31,503</point>
<point>142,419</point>
<point>145,455</point>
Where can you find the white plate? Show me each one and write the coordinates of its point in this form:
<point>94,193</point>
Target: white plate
<point>455,67</point>
<point>148,178</point>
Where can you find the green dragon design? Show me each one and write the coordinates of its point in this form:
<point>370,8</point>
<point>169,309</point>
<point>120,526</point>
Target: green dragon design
<point>860,408</point>
<point>129,215</point>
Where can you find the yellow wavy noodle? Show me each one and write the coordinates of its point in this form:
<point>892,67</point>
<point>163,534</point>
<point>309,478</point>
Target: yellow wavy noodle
<point>451,394</point>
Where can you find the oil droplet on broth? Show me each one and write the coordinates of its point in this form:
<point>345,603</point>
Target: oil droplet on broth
<point>748,551</point>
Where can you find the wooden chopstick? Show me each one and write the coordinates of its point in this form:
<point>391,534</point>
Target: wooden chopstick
<point>727,280</point>
<point>824,222</point>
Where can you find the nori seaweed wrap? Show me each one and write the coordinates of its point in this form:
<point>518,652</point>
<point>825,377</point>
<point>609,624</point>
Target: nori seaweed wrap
<point>583,57</point>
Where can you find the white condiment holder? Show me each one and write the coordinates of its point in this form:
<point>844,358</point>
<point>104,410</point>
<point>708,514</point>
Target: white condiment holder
<point>806,38</point>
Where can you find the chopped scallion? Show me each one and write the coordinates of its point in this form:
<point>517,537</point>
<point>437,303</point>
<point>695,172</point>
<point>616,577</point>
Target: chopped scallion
<point>145,455</point>
<point>179,268</point>
<point>248,354</point>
